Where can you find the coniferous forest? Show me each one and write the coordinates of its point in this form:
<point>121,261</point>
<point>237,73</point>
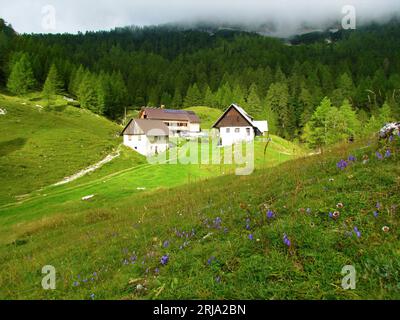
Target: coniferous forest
<point>348,77</point>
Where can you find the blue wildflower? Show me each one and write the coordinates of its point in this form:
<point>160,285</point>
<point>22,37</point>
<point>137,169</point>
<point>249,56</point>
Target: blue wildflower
<point>379,155</point>
<point>75,284</point>
<point>164,259</point>
<point>378,205</point>
<point>217,222</point>
<point>376,214</point>
<point>286,240</point>
<point>210,260</point>
<point>92,296</point>
<point>388,153</point>
<point>251,236</point>
<point>357,232</point>
<point>352,158</point>
<point>166,244</point>
<point>270,214</point>
<point>247,227</point>
<point>342,164</point>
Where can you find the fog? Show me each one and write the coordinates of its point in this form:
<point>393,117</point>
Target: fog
<point>288,16</point>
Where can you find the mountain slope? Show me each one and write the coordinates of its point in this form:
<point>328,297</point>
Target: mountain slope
<point>41,145</point>
<point>215,239</point>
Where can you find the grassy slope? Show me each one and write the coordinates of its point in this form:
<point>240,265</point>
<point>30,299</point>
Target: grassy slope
<point>96,247</point>
<point>121,178</point>
<point>207,115</point>
<point>85,138</point>
<point>40,147</point>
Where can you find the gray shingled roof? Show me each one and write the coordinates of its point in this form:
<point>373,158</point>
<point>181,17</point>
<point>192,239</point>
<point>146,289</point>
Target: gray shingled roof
<point>169,114</point>
<point>147,127</point>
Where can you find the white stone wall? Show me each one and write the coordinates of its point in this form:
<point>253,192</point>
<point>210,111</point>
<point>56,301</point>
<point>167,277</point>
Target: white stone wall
<point>194,127</point>
<point>230,136</point>
<point>146,146</point>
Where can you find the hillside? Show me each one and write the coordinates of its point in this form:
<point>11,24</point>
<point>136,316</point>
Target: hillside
<point>41,145</point>
<point>214,239</point>
<point>207,115</point>
<point>33,159</point>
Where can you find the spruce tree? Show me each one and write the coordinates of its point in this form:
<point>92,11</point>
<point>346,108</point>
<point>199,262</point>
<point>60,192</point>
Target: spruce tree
<point>278,101</point>
<point>253,102</point>
<point>177,99</point>
<point>209,99</point>
<point>193,97</point>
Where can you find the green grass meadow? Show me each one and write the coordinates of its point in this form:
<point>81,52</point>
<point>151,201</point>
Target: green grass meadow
<point>210,223</point>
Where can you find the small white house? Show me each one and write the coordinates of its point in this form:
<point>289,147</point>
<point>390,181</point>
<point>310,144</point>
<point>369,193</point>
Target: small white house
<point>148,137</point>
<point>236,126</point>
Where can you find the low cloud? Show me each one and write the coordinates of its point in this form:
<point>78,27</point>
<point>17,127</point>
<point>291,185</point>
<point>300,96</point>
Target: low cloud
<point>72,16</point>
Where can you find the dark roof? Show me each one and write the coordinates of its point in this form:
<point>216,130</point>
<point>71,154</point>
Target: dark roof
<point>241,111</point>
<point>147,127</point>
<point>169,114</point>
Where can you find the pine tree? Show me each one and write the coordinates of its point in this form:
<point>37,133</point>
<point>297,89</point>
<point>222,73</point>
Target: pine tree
<point>238,96</point>
<point>209,99</point>
<point>177,99</point>
<point>53,85</point>
<point>224,96</point>
<point>193,97</point>
<point>272,118</point>
<point>166,99</point>
<point>76,79</point>
<point>345,89</point>
<point>118,96</point>
<point>306,105</point>
<point>352,124</point>
<point>316,130</point>
<point>21,79</point>
<point>278,101</point>
<point>87,94</point>
<point>253,102</point>
<point>385,114</point>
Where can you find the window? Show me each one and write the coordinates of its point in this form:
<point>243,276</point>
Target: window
<point>129,138</point>
<point>237,130</point>
<point>228,130</point>
<point>139,138</point>
<point>248,131</point>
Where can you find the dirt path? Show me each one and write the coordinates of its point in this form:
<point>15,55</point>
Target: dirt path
<point>92,168</point>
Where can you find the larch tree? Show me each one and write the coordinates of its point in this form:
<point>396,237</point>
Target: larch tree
<point>21,79</point>
<point>53,85</point>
